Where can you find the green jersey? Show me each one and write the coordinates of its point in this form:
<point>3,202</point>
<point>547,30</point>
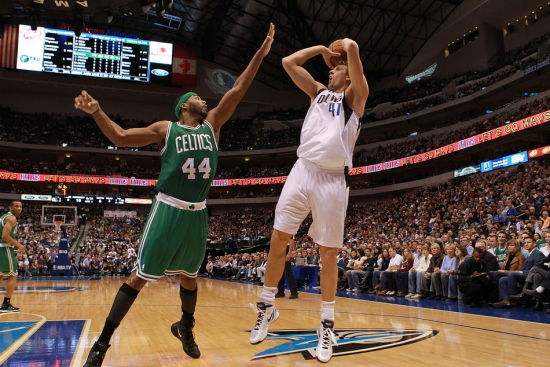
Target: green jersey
<point>13,230</point>
<point>501,253</point>
<point>189,161</point>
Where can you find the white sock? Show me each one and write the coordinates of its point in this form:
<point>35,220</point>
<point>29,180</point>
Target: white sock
<point>539,289</point>
<point>327,310</point>
<point>268,295</point>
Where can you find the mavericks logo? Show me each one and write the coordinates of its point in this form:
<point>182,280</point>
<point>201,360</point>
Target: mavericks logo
<point>349,341</point>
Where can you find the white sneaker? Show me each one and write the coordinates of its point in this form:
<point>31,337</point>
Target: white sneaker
<point>266,315</point>
<point>415,296</point>
<point>409,295</point>
<point>326,340</point>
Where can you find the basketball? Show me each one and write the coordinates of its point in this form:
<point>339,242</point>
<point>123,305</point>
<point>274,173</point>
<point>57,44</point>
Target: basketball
<point>336,46</point>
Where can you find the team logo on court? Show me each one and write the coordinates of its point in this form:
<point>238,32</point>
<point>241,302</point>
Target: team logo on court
<point>349,341</point>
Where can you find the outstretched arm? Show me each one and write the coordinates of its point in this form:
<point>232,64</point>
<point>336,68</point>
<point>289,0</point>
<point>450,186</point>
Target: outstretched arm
<point>299,75</point>
<point>358,92</point>
<point>219,115</point>
<point>136,137</point>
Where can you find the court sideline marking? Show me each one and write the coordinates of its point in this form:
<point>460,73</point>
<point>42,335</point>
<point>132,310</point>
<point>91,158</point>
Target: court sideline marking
<point>79,355</point>
<point>17,344</point>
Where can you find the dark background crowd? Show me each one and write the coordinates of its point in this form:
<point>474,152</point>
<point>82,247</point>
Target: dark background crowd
<point>250,133</point>
<point>363,156</point>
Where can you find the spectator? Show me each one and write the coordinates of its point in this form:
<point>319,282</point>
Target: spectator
<point>440,278</point>
<point>387,278</point>
<point>512,283</point>
<point>473,281</point>
<point>402,274</point>
<point>500,251</point>
<point>435,265</point>
<point>382,265</point>
<point>416,274</point>
<point>488,258</point>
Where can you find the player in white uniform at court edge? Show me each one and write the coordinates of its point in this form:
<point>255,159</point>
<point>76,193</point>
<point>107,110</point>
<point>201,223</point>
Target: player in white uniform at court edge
<point>317,182</point>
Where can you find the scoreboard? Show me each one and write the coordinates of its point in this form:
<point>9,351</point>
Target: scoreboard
<point>61,51</point>
<point>78,199</point>
<point>85,199</point>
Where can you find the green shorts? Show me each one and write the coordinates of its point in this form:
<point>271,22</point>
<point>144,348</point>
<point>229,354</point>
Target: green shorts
<point>173,242</point>
<point>8,261</point>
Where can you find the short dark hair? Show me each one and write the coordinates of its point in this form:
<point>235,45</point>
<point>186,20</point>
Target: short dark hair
<point>15,201</point>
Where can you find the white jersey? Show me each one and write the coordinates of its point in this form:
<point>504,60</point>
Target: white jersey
<point>329,132</point>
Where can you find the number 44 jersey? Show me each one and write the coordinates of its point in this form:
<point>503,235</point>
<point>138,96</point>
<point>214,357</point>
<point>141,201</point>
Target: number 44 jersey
<point>189,161</point>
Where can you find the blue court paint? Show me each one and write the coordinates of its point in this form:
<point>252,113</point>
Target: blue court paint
<point>54,344</point>
<point>11,331</point>
<point>516,313</point>
<point>41,289</point>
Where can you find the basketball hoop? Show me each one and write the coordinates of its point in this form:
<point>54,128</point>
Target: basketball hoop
<point>57,224</point>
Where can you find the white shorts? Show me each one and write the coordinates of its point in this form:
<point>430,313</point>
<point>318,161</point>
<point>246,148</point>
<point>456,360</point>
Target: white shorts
<point>325,194</point>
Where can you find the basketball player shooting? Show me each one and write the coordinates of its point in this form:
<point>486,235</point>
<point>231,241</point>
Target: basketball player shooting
<point>317,182</point>
<point>174,238</point>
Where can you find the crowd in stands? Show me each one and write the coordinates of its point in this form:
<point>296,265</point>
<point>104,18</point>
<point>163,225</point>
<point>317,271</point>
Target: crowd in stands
<point>109,247</point>
<point>144,168</point>
<point>235,228</point>
<point>72,130</point>
<point>420,144</point>
<point>484,238</point>
<point>431,92</point>
<point>41,246</point>
<point>246,267</point>
<point>426,87</point>
<point>150,168</point>
<point>110,244</point>
<point>247,134</point>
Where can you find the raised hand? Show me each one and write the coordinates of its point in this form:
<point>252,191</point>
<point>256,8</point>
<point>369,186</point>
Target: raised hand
<point>86,103</point>
<point>347,43</point>
<point>327,54</point>
<point>266,46</point>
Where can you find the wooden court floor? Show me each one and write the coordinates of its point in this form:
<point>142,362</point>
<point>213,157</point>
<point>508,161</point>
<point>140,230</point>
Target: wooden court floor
<point>224,314</point>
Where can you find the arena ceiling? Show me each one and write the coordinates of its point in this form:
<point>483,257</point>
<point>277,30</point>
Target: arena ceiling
<point>227,32</point>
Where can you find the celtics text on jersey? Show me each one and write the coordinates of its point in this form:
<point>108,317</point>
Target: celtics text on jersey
<point>189,161</point>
